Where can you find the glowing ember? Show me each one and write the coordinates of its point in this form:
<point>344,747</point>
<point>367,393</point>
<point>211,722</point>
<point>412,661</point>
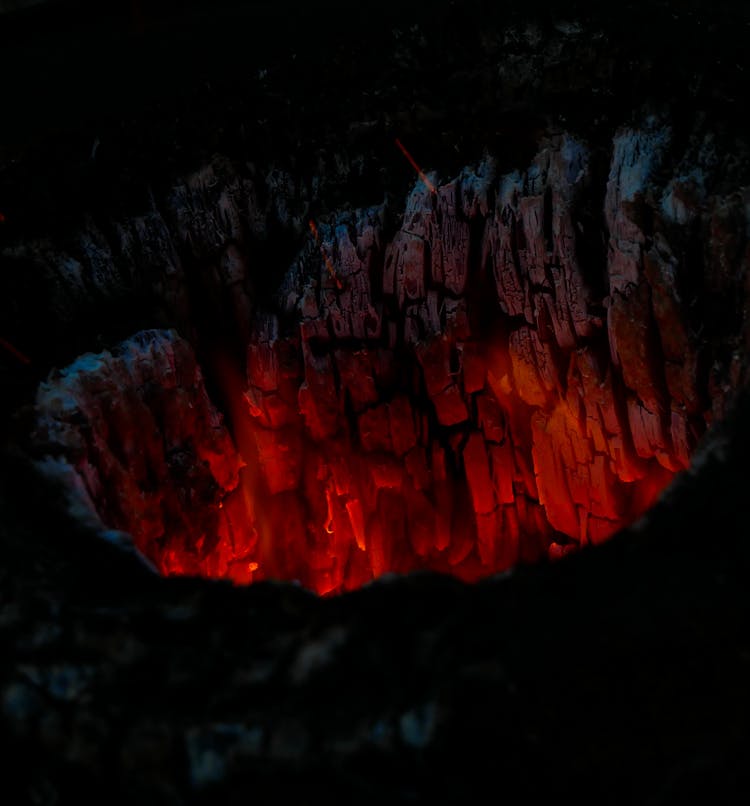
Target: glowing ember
<point>416,167</point>
<point>341,476</point>
<point>460,399</point>
<point>396,495</point>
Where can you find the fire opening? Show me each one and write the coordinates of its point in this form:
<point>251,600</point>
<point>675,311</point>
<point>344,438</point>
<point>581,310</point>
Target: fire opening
<point>380,486</point>
<point>454,393</point>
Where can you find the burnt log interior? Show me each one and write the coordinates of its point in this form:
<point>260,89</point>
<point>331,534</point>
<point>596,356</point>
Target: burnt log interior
<point>243,336</point>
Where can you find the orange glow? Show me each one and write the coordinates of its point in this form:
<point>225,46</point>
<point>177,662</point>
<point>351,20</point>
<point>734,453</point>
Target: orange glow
<point>334,512</point>
<point>416,167</point>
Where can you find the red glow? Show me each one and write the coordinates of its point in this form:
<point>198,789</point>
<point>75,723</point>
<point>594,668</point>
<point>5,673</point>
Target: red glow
<point>416,167</point>
<point>335,507</point>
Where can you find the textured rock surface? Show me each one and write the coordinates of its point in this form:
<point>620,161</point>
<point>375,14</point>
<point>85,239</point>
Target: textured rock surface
<point>143,450</point>
<point>513,367</point>
<point>494,371</point>
<point>183,261</point>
